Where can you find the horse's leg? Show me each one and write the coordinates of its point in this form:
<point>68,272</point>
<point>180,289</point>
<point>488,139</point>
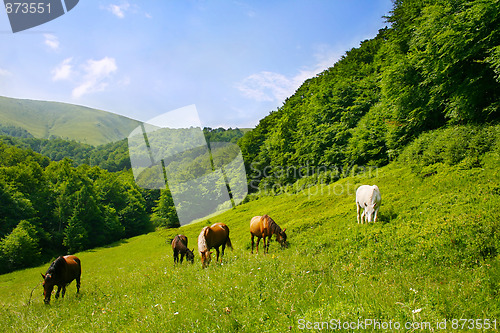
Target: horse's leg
<point>257,246</point>
<point>376,215</point>
<point>64,291</point>
<point>217,249</point>
<point>252,244</point>
<point>222,254</point>
<point>78,284</point>
<point>58,290</point>
<point>358,209</point>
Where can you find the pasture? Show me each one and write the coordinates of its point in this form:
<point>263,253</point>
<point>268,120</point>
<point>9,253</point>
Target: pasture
<point>431,256</point>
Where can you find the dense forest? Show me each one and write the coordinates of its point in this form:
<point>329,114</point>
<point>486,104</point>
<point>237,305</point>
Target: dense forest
<point>437,64</point>
<point>59,196</point>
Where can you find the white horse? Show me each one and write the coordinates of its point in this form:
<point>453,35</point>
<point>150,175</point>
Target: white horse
<point>368,198</point>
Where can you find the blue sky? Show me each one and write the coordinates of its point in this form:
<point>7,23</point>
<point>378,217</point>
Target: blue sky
<point>235,60</point>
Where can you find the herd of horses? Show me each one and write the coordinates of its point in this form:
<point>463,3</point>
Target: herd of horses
<point>68,268</point>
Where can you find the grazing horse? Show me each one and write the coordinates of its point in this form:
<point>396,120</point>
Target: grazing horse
<point>368,198</point>
<point>264,226</point>
<point>213,237</point>
<point>179,245</point>
<point>60,273</point>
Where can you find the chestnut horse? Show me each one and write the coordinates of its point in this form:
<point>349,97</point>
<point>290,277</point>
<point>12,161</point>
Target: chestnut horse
<point>213,237</point>
<point>264,226</point>
<point>60,273</point>
<point>179,245</point>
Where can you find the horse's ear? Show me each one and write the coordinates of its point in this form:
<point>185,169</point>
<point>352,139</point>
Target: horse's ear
<point>284,230</point>
<point>43,276</point>
<point>374,204</point>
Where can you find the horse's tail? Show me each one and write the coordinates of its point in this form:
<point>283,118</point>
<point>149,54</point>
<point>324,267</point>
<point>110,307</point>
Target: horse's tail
<point>228,243</point>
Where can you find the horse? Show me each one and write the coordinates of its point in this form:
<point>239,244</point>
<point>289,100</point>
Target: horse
<point>264,226</point>
<point>179,245</point>
<point>213,237</point>
<point>60,273</point>
<point>368,198</point>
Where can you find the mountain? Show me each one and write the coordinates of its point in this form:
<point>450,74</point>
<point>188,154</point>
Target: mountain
<point>44,119</point>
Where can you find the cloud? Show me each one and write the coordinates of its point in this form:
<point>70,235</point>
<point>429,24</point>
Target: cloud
<point>266,86</point>
<point>4,72</point>
<point>97,74</point>
<point>275,87</point>
<point>63,71</point>
<point>119,10</point>
<point>51,41</point>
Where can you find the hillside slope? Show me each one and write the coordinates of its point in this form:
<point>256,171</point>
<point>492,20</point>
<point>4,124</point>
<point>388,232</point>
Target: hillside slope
<point>45,119</point>
<point>433,257</point>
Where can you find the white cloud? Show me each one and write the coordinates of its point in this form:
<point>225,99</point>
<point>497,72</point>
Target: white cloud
<point>4,72</point>
<point>51,41</point>
<point>119,10</point>
<point>63,71</point>
<point>270,86</point>
<point>97,74</point>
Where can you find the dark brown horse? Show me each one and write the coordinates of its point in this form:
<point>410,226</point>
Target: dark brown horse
<point>60,273</point>
<point>264,227</point>
<point>213,237</point>
<point>179,245</point>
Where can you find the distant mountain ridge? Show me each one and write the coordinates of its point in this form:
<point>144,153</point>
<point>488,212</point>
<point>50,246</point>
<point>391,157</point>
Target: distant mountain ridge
<point>44,119</point>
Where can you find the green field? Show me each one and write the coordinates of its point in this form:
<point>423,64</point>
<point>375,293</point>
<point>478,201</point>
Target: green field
<point>73,122</point>
<point>431,257</point>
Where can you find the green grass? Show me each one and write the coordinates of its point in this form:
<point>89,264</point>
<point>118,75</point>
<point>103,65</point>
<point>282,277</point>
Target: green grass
<point>432,256</point>
<point>44,119</point>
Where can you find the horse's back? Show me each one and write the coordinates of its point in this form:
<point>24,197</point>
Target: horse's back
<point>259,225</point>
<point>74,267</point>
<point>179,241</point>
<point>219,234</point>
<point>366,194</point>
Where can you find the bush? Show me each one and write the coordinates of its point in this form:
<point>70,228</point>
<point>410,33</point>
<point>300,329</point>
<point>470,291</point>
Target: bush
<point>19,247</point>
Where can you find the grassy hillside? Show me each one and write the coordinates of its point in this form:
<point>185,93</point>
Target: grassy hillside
<point>45,119</point>
<point>432,256</point>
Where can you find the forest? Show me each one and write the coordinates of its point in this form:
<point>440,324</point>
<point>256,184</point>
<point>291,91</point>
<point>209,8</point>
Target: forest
<point>435,65</point>
<point>61,197</point>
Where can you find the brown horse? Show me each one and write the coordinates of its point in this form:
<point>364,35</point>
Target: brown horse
<point>179,245</point>
<point>213,237</point>
<point>60,273</point>
<point>264,226</point>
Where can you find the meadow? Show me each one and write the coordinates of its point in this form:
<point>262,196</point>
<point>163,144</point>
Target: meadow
<point>431,258</point>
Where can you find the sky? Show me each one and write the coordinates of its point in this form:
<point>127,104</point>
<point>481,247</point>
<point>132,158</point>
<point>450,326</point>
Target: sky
<point>236,61</point>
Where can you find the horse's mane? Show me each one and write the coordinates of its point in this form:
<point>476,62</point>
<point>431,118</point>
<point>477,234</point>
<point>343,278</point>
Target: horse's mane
<point>56,267</point>
<point>202,241</point>
<point>272,225</point>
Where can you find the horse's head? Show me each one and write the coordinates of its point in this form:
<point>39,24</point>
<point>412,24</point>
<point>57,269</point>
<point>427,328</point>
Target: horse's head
<point>206,257</point>
<point>190,255</point>
<point>48,286</point>
<point>281,238</point>
<point>370,211</point>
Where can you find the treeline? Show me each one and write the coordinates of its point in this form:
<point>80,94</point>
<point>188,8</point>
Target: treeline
<point>112,156</point>
<point>438,64</point>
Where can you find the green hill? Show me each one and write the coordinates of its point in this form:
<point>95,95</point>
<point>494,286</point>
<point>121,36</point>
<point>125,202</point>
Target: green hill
<point>45,119</point>
<point>432,258</point>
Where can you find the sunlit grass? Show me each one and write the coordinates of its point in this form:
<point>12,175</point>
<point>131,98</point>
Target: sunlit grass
<point>425,260</point>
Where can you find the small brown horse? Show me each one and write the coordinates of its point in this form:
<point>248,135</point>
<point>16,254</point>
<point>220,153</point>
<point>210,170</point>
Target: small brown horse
<point>264,226</point>
<point>60,273</point>
<point>213,237</point>
<point>179,245</point>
